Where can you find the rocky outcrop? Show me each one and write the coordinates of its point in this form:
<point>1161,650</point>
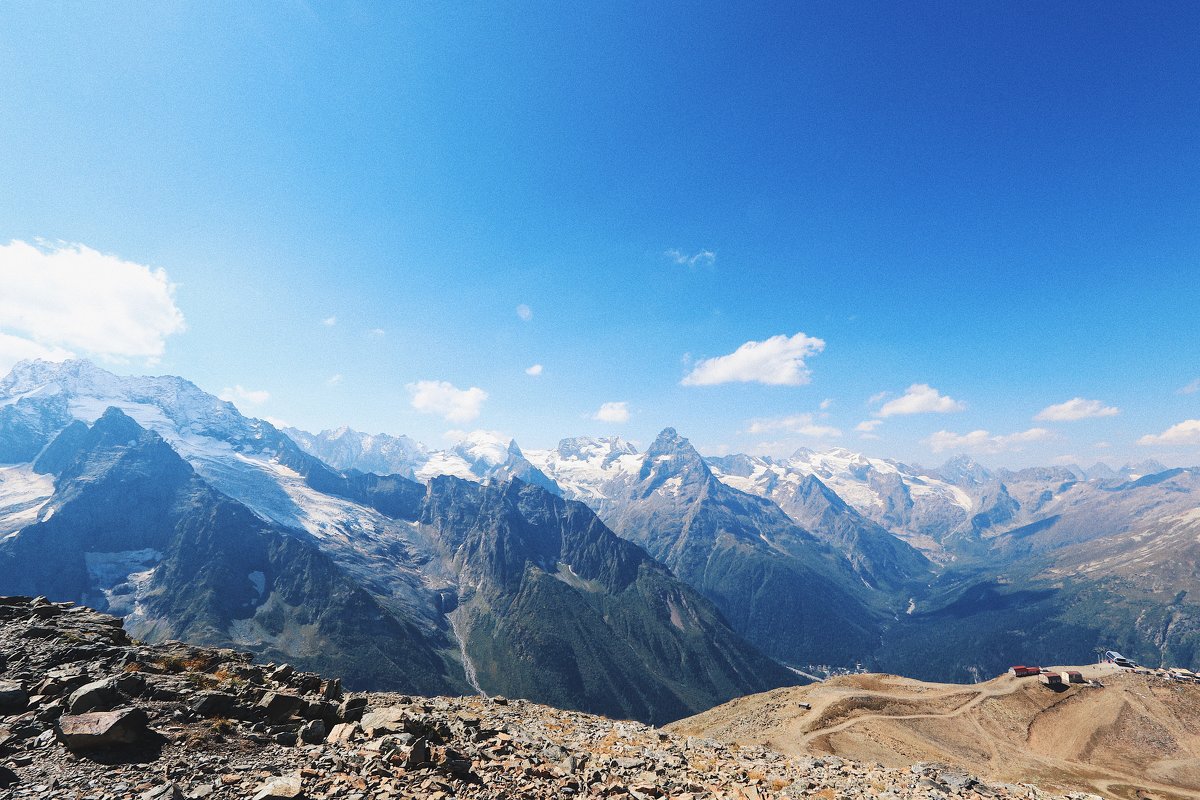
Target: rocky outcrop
<point>191,723</point>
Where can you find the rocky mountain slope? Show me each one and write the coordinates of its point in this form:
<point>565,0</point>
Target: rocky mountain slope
<point>395,584</point>
<point>823,558</point>
<point>87,712</point>
<point>801,598</point>
<point>1127,736</point>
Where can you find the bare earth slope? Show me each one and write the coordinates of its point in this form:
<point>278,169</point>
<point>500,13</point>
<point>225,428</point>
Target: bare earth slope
<point>1135,736</point>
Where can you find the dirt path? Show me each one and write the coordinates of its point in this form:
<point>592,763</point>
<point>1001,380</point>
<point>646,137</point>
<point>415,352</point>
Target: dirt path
<point>1131,740</point>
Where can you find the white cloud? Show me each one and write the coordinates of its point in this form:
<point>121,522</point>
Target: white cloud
<point>777,361</point>
<point>377,333</point>
<point>868,425</point>
<point>1065,460</point>
<point>57,300</point>
<point>878,397</point>
<point>983,442</point>
<point>796,423</point>
<point>1186,432</point>
<point>14,349</point>
<point>277,422</point>
<point>705,257</point>
<point>534,370</point>
<point>524,312</point>
<point>238,394</point>
<point>1191,388</point>
<point>920,398</point>
<point>612,412</point>
<point>447,400</point>
<point>826,404</point>
<point>334,379</point>
<point>1075,409</point>
<point>329,322</point>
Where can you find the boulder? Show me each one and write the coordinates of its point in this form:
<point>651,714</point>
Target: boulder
<point>382,721</point>
<point>13,698</point>
<point>280,705</point>
<point>312,732</point>
<point>343,732</point>
<point>94,696</point>
<point>101,729</point>
<point>286,787</point>
<point>214,704</point>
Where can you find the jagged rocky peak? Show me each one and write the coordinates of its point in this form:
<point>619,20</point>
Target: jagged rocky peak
<point>35,374</point>
<point>170,405</point>
<point>1100,472</point>
<point>672,456</point>
<point>811,491</point>
<point>964,470</point>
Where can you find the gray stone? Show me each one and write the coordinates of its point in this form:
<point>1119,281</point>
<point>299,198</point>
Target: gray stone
<point>95,696</point>
<point>168,791</point>
<point>13,697</point>
<point>286,787</point>
<point>418,754</point>
<point>214,704</point>
<point>102,729</point>
<point>312,732</point>
<point>381,721</point>
<point>280,705</point>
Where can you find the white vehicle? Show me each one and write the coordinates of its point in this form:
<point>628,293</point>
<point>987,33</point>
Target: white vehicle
<point>1113,657</point>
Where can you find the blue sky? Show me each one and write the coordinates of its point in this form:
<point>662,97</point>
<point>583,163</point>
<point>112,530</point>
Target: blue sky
<point>999,202</point>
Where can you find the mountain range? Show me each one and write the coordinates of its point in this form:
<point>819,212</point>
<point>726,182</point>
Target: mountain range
<point>639,584</point>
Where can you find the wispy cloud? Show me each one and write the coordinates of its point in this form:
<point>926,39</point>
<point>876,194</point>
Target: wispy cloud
<point>612,412</point>
<point>524,312</point>
<point>1186,432</point>
<point>377,333</point>
<point>239,395</point>
<point>59,300</point>
<point>1075,409</point>
<point>534,370</point>
<point>329,322</point>
<point>700,257</point>
<point>920,398</point>
<point>777,361</point>
<point>803,424</point>
<point>447,400</point>
<point>1190,388</point>
<point>983,442</point>
<point>334,379</point>
<point>826,404</point>
<point>868,425</point>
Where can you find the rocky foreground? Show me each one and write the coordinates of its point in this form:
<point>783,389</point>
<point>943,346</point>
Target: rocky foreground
<point>87,713</point>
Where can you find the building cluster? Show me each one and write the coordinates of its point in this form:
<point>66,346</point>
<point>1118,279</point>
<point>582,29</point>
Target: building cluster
<point>1064,677</point>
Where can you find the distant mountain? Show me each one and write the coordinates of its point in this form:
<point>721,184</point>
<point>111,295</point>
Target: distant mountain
<point>496,576</point>
<point>798,597</point>
<point>223,531</point>
<point>917,506</point>
<point>478,455</point>
<point>344,448</point>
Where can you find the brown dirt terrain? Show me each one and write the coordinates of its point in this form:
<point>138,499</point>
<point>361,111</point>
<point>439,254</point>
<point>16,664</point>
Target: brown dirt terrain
<point>1134,737</point>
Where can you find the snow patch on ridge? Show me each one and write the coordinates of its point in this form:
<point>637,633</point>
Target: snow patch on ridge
<point>23,495</point>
